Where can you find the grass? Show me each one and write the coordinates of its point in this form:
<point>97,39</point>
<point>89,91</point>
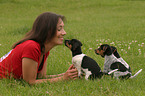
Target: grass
<point>94,22</point>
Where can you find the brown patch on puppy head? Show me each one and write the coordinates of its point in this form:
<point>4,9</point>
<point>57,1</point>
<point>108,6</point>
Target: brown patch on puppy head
<point>104,47</point>
<point>99,51</point>
<point>68,44</point>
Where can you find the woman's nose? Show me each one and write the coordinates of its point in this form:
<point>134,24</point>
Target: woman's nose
<point>63,32</point>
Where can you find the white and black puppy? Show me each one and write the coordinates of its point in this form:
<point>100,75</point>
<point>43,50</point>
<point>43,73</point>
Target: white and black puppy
<point>114,63</point>
<point>83,63</point>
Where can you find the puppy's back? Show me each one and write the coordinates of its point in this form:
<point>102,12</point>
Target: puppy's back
<point>91,65</point>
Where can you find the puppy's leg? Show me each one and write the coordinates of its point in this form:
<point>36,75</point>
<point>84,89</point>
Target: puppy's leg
<point>136,74</point>
<point>87,72</point>
<point>79,71</point>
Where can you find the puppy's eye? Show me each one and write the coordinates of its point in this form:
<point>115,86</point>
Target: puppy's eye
<point>99,49</point>
<point>69,42</point>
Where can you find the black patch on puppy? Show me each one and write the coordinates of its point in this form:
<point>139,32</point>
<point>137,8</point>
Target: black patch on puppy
<point>92,66</point>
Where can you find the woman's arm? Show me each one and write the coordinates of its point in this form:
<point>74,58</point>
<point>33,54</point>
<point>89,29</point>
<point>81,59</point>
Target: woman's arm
<point>29,71</point>
<point>43,73</point>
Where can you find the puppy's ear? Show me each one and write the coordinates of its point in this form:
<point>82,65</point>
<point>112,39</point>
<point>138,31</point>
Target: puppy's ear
<point>80,44</point>
<point>76,45</point>
<point>114,51</point>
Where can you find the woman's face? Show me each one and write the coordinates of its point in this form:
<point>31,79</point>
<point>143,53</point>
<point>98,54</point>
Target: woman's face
<point>60,32</point>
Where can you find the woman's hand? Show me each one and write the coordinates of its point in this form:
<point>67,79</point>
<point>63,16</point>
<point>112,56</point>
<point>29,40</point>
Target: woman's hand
<point>71,73</point>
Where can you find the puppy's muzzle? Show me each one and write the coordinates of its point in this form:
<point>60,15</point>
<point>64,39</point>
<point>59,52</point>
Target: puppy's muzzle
<point>96,51</point>
<point>67,42</point>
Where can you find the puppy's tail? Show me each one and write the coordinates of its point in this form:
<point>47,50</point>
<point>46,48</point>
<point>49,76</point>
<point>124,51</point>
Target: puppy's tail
<point>136,74</point>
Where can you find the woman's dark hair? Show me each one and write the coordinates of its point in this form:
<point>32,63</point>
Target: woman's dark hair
<point>44,29</point>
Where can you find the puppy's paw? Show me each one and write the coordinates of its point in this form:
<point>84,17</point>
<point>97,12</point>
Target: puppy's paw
<point>80,77</point>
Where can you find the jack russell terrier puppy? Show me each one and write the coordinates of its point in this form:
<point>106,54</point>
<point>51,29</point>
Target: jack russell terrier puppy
<point>83,63</point>
<point>114,63</point>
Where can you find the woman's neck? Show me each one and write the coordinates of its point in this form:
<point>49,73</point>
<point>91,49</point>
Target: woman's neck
<point>48,46</point>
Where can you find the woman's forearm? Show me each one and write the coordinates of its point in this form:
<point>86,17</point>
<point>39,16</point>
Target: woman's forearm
<point>52,76</point>
<point>70,74</point>
<point>52,80</point>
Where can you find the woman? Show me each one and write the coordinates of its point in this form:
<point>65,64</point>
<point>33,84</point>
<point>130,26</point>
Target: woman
<point>27,59</point>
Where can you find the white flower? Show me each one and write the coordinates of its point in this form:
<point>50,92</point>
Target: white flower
<point>139,50</point>
<point>90,48</point>
<point>112,43</point>
<point>121,49</point>
<point>0,44</point>
<point>129,47</point>
<point>47,92</point>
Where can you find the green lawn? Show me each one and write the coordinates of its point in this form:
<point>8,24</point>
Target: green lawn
<point>116,22</point>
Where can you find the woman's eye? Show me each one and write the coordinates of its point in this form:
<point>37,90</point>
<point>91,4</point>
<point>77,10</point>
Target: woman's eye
<point>58,29</point>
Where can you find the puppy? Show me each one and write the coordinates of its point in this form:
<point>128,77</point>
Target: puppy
<point>83,63</point>
<point>114,63</point>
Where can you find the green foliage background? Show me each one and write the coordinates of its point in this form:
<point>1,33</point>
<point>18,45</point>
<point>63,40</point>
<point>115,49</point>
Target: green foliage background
<point>116,22</point>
